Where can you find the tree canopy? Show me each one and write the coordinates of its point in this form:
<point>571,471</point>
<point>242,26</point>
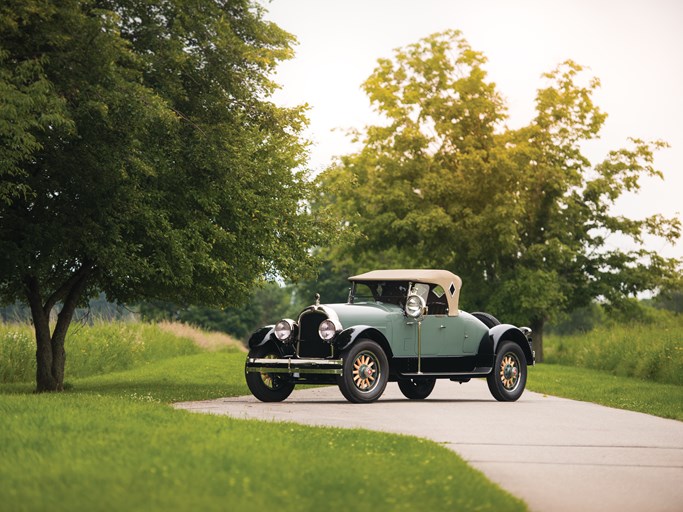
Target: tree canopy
<point>140,156</point>
<point>521,214</point>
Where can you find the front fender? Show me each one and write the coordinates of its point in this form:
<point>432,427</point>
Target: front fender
<point>347,337</point>
<point>507,332</point>
<point>262,336</point>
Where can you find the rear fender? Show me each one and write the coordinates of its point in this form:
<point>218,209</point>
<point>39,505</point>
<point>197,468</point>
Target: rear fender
<point>507,332</point>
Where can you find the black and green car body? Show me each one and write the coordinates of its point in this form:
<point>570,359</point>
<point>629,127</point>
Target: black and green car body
<point>398,325</point>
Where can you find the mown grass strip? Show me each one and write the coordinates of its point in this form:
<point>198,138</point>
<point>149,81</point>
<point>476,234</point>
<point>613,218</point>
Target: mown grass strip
<point>112,443</point>
<point>665,400</point>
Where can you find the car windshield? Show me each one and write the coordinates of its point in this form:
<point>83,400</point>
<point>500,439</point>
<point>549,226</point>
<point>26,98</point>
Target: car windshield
<point>396,292</point>
<point>390,292</point>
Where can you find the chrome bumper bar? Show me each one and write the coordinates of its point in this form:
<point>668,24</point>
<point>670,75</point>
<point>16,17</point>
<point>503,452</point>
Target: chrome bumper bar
<point>293,365</point>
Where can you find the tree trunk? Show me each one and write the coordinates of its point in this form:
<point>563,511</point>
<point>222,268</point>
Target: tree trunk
<point>537,338</point>
<point>50,353</point>
<point>41,324</point>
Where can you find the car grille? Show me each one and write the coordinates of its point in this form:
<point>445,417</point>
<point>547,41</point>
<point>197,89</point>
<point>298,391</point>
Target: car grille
<point>310,343</point>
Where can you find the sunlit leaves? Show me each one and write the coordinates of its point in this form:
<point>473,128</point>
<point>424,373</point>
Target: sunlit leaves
<point>523,215</point>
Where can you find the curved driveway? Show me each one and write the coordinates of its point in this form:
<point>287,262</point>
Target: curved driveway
<point>556,454</point>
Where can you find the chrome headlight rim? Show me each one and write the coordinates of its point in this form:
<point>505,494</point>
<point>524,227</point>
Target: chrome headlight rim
<point>284,329</point>
<point>415,306</point>
<point>327,329</point>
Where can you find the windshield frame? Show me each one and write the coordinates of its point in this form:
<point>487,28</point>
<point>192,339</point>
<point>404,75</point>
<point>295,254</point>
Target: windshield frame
<point>377,289</point>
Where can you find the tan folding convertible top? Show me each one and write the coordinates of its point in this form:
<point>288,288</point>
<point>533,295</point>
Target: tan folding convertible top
<point>447,280</point>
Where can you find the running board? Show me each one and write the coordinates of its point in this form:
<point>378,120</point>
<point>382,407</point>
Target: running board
<point>477,372</point>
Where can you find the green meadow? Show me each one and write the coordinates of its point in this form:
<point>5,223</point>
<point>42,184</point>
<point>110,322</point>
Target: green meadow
<point>112,442</point>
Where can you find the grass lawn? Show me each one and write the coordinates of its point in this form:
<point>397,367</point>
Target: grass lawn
<point>665,400</point>
<point>111,442</point>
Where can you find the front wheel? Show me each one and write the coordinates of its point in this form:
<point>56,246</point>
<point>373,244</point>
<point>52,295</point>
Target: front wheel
<point>268,387</point>
<point>416,389</point>
<point>366,372</point>
<point>508,378</point>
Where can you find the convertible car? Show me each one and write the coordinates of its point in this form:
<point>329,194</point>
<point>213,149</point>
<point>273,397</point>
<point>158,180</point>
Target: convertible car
<point>398,325</point>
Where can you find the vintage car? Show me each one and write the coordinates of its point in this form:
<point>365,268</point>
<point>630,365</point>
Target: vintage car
<point>398,325</point>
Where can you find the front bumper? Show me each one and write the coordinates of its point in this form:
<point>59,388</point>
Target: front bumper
<point>294,366</point>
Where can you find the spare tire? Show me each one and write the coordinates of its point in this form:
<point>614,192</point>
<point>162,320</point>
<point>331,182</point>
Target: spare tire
<point>488,320</point>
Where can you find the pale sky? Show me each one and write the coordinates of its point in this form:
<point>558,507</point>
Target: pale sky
<point>635,47</point>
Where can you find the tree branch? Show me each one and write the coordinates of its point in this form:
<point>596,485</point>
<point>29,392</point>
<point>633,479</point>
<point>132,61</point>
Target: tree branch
<point>34,298</point>
<point>74,294</point>
<point>64,290</point>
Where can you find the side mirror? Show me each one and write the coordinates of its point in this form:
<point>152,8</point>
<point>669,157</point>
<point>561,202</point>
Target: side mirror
<point>415,307</point>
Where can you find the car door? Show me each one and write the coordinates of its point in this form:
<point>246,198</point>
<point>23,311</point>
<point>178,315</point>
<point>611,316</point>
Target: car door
<point>433,335</point>
<point>441,335</point>
<point>456,336</point>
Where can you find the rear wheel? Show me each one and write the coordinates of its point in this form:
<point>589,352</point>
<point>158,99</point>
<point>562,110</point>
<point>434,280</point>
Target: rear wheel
<point>268,387</point>
<point>366,372</point>
<point>508,378</point>
<point>416,389</point>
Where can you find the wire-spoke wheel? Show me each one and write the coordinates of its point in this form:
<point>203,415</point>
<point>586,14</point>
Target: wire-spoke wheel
<point>509,371</point>
<point>267,386</point>
<point>508,377</point>
<point>365,372</point>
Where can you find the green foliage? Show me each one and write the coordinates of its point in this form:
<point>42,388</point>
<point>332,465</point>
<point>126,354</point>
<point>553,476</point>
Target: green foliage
<point>671,299</point>
<point>92,350</point>
<point>141,157</point>
<point>171,175</point>
<point>28,108</point>
<point>522,215</point>
<point>664,400</point>
<point>580,320</point>
<point>650,351</point>
<point>98,309</point>
<point>266,305</point>
<point>331,283</point>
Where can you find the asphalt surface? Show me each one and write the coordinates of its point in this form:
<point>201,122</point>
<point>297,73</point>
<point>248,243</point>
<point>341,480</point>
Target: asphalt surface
<point>556,454</point>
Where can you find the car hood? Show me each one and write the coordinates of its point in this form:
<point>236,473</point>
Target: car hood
<point>373,314</point>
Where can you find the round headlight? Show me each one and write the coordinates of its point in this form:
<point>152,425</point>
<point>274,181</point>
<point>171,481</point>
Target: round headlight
<point>283,329</point>
<point>327,330</point>
<point>414,306</point>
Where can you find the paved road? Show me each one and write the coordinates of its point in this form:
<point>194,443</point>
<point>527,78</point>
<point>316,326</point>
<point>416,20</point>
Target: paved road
<point>556,454</point>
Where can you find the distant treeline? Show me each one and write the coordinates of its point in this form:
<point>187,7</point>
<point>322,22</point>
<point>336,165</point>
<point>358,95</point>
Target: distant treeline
<point>99,309</point>
<point>272,302</point>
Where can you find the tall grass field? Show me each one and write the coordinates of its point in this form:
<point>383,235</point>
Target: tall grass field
<point>638,367</point>
<point>104,347</point>
<point>111,442</point>
<point>651,352</point>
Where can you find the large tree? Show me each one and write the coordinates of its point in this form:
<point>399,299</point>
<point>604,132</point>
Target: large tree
<point>141,157</point>
<point>522,214</point>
